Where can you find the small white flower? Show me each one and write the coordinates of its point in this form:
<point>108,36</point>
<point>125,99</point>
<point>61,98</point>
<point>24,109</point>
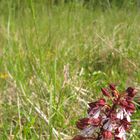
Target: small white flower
<point>87,132</point>
<point>127,115</point>
<point>122,133</point>
<point>96,114</point>
<point>120,114</point>
<point>108,125</point>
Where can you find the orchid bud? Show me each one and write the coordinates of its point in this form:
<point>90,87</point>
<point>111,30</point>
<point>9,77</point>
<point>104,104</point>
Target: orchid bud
<point>83,123</point>
<point>112,86</point>
<point>131,92</point>
<point>101,102</point>
<point>105,92</point>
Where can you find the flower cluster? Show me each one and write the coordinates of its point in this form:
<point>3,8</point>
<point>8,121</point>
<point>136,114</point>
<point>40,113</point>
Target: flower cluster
<point>108,121</point>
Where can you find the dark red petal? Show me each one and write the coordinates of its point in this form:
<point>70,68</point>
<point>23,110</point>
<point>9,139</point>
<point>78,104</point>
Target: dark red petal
<point>113,116</point>
<point>125,124</point>
<point>82,123</point>
<point>117,131</point>
<point>92,104</point>
<point>112,86</point>
<point>105,92</point>
<point>123,103</point>
<point>107,135</point>
<point>107,109</point>
<point>94,122</point>
<point>129,99</point>
<point>101,102</point>
<point>130,107</point>
<point>131,91</point>
<point>92,110</point>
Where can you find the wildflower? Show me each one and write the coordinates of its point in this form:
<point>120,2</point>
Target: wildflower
<point>105,121</point>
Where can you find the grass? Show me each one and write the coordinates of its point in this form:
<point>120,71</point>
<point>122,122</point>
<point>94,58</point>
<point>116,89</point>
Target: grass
<point>53,61</point>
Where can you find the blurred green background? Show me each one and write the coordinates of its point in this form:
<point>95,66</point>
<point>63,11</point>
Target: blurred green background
<point>55,55</point>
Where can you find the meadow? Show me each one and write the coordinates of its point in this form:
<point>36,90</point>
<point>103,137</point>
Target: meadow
<point>54,59</point>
